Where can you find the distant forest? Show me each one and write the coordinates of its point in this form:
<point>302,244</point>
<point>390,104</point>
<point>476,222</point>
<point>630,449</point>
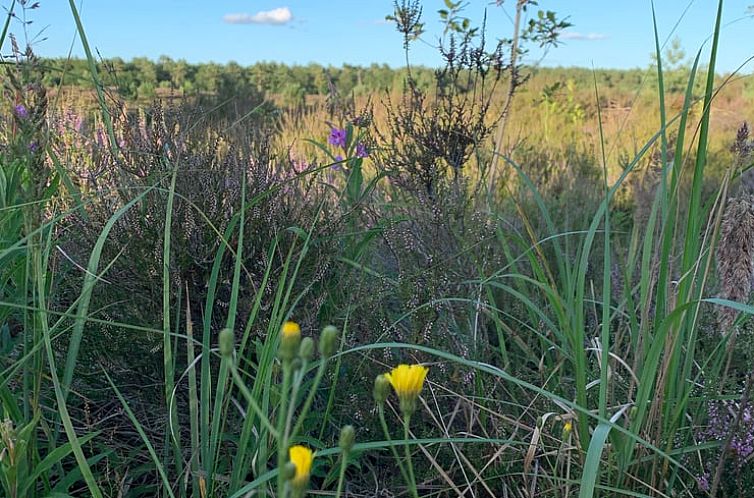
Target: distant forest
<point>142,78</point>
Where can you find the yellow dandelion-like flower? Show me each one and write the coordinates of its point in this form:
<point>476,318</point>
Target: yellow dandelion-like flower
<point>568,427</point>
<point>291,329</point>
<point>407,381</point>
<point>290,340</point>
<point>301,457</point>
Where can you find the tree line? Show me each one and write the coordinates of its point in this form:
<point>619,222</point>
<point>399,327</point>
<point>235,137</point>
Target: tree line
<point>143,78</point>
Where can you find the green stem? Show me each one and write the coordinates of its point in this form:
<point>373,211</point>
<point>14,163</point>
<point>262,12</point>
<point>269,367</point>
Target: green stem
<point>298,378</point>
<point>310,398</point>
<point>381,411</point>
<point>412,478</point>
<point>282,439</point>
<point>342,475</point>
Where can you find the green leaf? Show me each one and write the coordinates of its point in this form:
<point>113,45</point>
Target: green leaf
<point>52,458</point>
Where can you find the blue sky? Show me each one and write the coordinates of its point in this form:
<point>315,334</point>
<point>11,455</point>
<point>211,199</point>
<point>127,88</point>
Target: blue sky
<point>605,33</point>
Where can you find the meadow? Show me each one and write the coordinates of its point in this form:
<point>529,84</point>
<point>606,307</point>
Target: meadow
<point>486,279</point>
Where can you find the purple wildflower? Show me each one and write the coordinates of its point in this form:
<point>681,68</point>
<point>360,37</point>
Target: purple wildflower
<point>361,150</point>
<point>338,160</point>
<point>337,137</point>
<point>33,147</point>
<point>21,111</point>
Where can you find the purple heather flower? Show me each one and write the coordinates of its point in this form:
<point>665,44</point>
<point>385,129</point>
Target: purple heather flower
<point>703,482</point>
<point>721,421</point>
<point>361,150</point>
<point>21,111</point>
<point>337,137</point>
<point>100,138</point>
<point>299,165</point>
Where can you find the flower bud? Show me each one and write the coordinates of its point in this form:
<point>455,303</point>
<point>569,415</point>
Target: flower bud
<point>347,438</point>
<point>381,389</point>
<point>328,341</point>
<point>290,340</point>
<point>289,470</point>
<point>567,429</point>
<point>306,351</point>
<point>226,342</point>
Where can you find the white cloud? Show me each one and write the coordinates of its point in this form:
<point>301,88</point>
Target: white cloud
<point>279,16</point>
<point>573,35</point>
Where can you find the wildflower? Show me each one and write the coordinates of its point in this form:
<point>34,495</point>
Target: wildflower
<point>225,341</point>
<point>328,341</point>
<point>347,438</point>
<point>33,147</point>
<point>21,111</point>
<point>407,381</point>
<point>301,457</point>
<point>703,482</point>
<point>361,150</point>
<point>306,351</point>
<point>381,388</point>
<point>722,420</point>
<point>291,329</point>
<point>290,341</point>
<point>567,429</point>
<point>337,137</point>
<point>338,163</point>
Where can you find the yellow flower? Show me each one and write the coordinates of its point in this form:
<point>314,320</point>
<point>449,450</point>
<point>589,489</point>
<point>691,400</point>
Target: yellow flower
<point>301,457</point>
<point>567,430</point>
<point>290,340</point>
<point>291,329</point>
<point>407,381</point>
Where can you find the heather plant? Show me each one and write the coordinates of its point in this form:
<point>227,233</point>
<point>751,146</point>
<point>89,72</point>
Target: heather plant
<point>431,136</point>
<point>219,193</point>
<point>729,424</point>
